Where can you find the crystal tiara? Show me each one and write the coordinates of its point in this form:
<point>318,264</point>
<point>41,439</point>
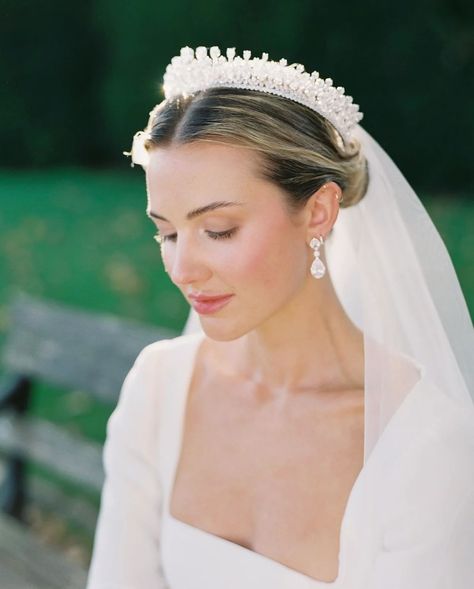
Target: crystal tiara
<point>188,73</point>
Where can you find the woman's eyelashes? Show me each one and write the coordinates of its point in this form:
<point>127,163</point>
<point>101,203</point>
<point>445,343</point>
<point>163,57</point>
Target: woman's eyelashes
<point>212,234</point>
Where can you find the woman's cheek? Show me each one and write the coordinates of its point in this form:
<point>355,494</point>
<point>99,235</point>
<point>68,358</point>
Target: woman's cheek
<point>257,259</point>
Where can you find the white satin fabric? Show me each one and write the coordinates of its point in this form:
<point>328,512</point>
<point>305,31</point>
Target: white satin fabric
<point>408,523</point>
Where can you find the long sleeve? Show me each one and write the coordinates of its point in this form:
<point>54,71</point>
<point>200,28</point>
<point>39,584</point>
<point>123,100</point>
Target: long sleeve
<point>126,545</point>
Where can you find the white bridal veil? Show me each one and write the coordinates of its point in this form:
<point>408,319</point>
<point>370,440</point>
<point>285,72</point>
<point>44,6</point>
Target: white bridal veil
<point>394,277</point>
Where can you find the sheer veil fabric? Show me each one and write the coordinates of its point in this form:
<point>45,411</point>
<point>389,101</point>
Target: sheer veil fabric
<point>395,279</point>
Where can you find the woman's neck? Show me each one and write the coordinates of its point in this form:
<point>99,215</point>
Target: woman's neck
<point>311,344</point>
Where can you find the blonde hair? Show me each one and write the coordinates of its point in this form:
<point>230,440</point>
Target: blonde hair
<point>300,149</point>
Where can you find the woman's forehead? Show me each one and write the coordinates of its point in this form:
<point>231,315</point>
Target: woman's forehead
<point>200,158</point>
<point>204,171</point>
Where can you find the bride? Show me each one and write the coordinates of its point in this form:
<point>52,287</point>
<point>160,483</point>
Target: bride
<point>313,426</point>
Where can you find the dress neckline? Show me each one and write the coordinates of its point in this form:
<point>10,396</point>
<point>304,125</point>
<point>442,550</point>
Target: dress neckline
<point>194,342</point>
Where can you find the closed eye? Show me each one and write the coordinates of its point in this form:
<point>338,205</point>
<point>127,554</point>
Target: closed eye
<point>212,234</point>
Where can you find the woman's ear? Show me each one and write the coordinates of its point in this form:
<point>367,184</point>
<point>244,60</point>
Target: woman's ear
<point>321,210</point>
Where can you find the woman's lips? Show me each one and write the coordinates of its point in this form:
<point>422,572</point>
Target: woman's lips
<point>205,306</point>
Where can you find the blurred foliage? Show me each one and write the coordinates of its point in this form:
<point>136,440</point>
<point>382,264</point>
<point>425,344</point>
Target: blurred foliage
<point>50,79</point>
<point>79,79</point>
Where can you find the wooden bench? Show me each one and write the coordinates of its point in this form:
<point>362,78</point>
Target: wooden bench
<point>73,350</point>
<point>25,563</point>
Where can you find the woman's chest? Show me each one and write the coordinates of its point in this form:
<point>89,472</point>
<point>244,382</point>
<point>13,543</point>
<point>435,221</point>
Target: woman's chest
<point>273,475</point>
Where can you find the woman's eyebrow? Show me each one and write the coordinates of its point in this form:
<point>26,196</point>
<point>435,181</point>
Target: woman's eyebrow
<point>199,211</point>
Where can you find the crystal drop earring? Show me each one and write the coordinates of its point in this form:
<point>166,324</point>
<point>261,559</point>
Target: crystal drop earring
<point>318,269</point>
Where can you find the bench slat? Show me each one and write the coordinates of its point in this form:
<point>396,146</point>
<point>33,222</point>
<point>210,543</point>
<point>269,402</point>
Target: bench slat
<point>74,458</point>
<point>25,563</point>
<point>72,348</point>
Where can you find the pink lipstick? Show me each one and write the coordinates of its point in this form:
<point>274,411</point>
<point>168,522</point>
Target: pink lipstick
<point>206,305</point>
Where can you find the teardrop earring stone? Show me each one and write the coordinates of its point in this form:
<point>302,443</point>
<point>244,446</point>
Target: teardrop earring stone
<point>317,268</point>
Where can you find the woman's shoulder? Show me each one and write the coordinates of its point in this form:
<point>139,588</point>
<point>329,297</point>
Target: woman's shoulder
<point>167,351</point>
<point>447,421</point>
<point>440,459</point>
<point>434,470</point>
<point>157,370</point>
<point>445,440</point>
<point>433,422</point>
<point>155,362</point>
<point>159,367</point>
<point>173,345</point>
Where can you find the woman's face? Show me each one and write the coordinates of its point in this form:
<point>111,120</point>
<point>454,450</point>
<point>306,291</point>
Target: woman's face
<point>250,247</point>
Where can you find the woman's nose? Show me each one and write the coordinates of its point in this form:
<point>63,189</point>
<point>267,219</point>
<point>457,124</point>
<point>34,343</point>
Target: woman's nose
<point>185,265</point>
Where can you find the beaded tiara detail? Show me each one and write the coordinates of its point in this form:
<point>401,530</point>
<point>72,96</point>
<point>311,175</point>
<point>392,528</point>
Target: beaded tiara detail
<point>192,71</point>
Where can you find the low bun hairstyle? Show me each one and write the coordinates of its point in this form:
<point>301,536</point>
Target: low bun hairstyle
<point>300,149</point>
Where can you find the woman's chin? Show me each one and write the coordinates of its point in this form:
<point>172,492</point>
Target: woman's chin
<point>221,330</point>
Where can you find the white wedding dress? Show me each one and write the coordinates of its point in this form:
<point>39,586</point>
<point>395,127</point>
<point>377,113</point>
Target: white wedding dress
<point>411,528</point>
